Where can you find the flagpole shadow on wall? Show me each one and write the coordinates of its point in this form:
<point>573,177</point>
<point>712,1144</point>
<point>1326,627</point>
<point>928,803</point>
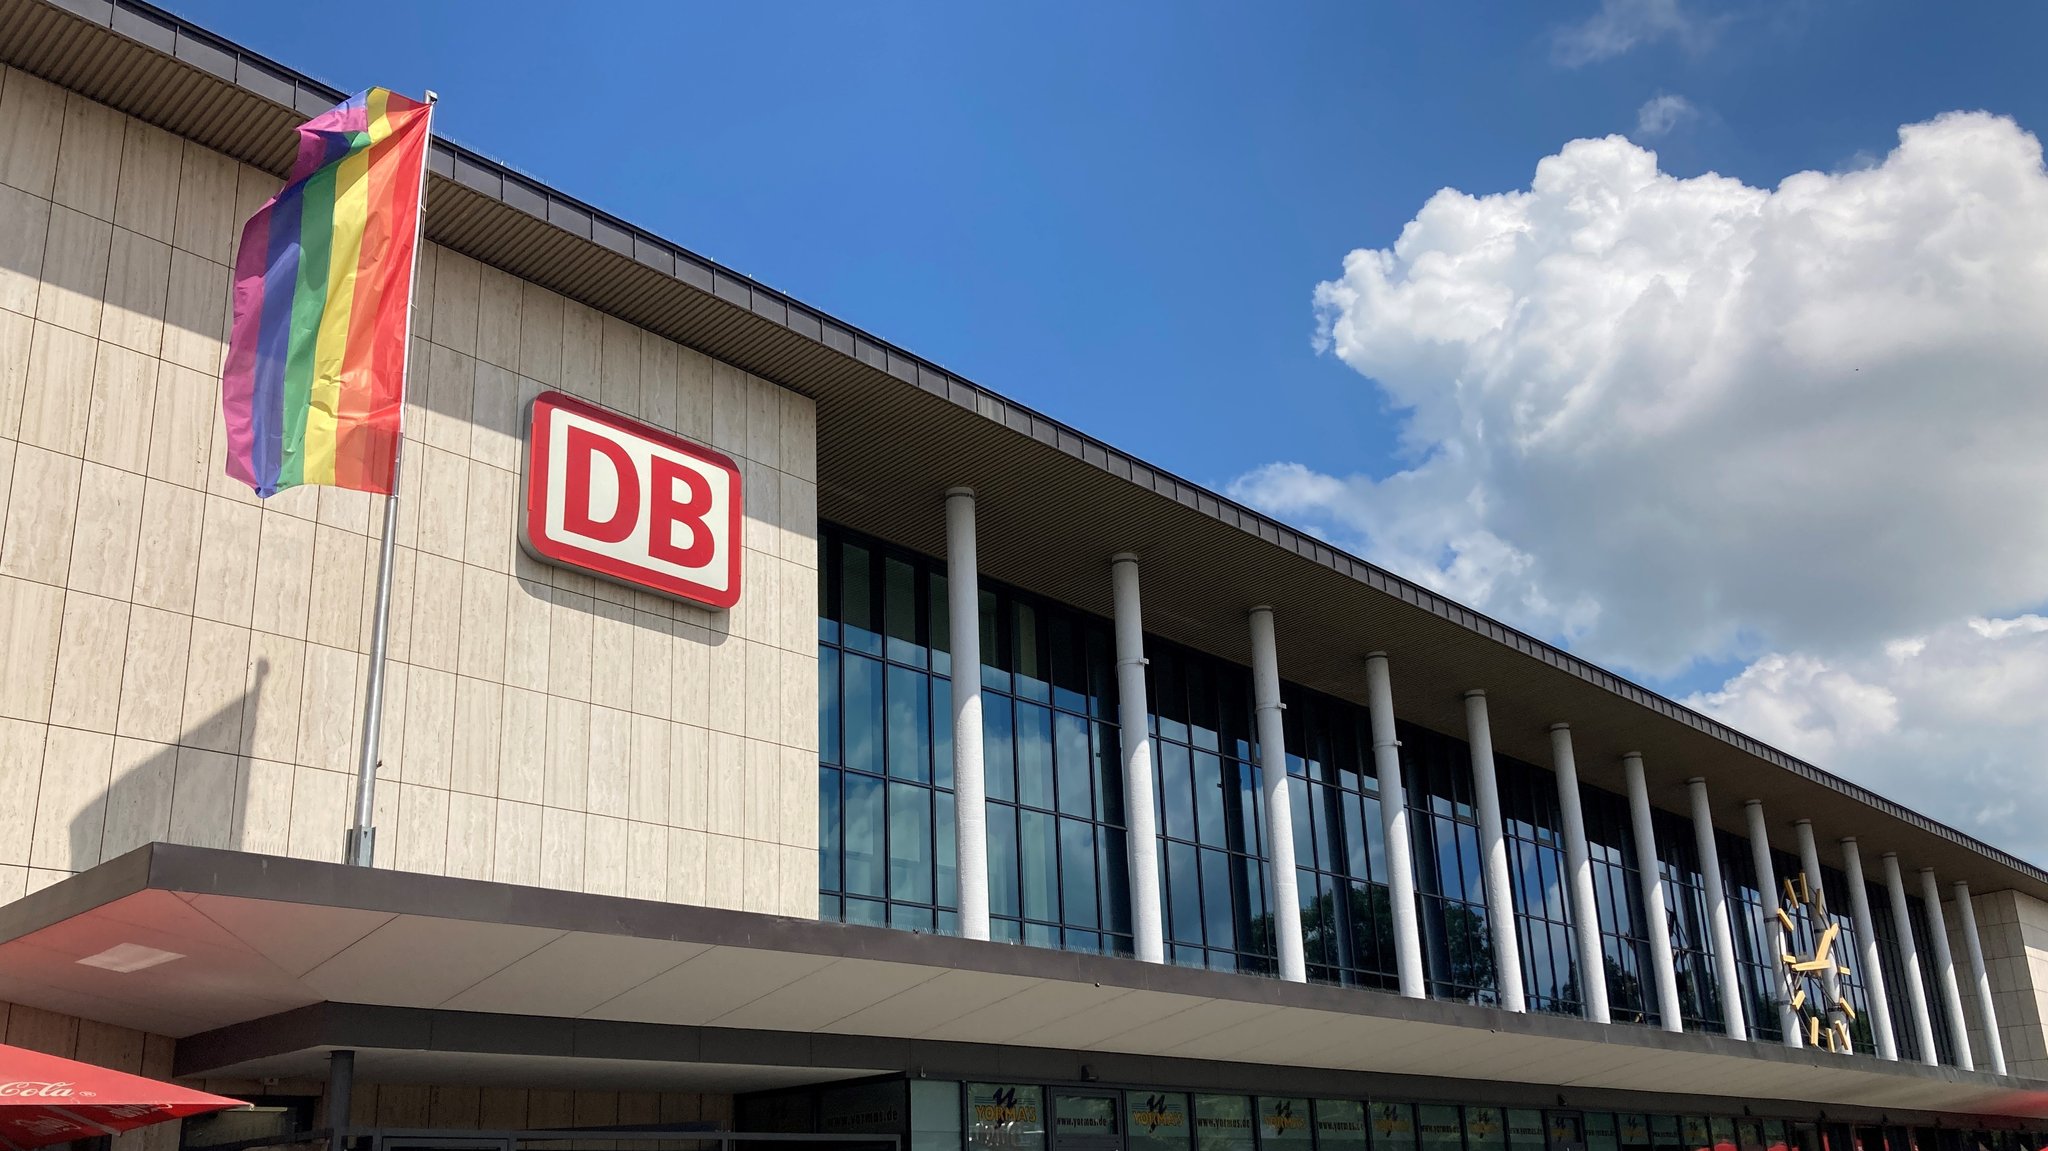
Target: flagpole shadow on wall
<point>143,802</point>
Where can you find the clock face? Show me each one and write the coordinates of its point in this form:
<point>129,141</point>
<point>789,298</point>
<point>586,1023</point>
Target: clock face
<point>1812,969</point>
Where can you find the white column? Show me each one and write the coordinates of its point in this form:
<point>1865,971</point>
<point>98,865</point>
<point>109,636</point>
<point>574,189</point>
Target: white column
<point>1716,886</point>
<point>1650,872</point>
<point>1909,958</point>
<point>1283,900</point>
<point>1809,863</point>
<point>1386,764</point>
<point>1994,1047</point>
<point>1866,951</point>
<point>1148,938</point>
<point>1774,931</point>
<point>1945,969</point>
<point>970,795</point>
<point>1579,864</point>
<point>1493,850</point>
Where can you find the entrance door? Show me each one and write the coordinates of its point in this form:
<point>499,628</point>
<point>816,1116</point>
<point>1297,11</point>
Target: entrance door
<point>1087,1121</point>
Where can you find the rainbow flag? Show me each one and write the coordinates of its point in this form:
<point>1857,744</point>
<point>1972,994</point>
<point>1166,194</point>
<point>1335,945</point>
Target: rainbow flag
<point>313,389</point>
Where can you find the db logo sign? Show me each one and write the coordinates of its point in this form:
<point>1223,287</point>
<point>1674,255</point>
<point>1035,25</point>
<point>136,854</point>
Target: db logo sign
<point>631,502</point>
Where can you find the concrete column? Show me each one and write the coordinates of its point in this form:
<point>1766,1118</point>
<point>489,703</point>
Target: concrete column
<point>1809,862</point>
<point>1386,764</point>
<point>1650,872</point>
<point>341,1079</point>
<point>1148,938</point>
<point>1945,969</point>
<point>1717,910</point>
<point>1866,951</point>
<point>1493,850</point>
<point>1579,865</point>
<point>1909,959</point>
<point>970,791</point>
<point>1994,1046</point>
<point>1774,931</point>
<point>1284,901</point>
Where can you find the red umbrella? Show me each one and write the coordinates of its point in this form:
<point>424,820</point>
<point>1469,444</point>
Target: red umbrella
<point>44,1100</point>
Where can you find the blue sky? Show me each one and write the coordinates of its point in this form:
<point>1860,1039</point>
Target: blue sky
<point>1118,213</point>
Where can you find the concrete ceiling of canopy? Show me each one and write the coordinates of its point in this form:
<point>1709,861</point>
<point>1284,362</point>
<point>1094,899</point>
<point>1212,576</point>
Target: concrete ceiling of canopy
<point>562,976</point>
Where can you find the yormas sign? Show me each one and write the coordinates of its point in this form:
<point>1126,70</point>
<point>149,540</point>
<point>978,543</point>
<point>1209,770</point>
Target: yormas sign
<point>631,502</point>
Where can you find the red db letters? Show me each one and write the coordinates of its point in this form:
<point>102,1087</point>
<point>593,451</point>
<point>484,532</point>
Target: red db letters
<point>631,502</point>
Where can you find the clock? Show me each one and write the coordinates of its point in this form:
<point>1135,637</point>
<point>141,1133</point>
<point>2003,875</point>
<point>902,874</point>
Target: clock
<point>1813,973</point>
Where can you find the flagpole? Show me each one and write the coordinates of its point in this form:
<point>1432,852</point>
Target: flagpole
<point>362,836</point>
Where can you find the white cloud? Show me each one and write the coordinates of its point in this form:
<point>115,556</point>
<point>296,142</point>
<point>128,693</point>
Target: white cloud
<point>1660,114</point>
<point>1948,723</point>
<point>1675,421</point>
<point>1621,25</point>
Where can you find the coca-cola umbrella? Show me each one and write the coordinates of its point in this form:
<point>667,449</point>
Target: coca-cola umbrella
<point>45,1099</point>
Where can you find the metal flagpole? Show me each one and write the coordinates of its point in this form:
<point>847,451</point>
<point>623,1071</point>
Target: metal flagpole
<point>362,836</point>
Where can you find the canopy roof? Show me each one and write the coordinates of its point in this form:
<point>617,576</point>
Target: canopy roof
<point>275,961</point>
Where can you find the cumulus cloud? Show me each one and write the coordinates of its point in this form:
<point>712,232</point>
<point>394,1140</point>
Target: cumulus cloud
<point>1948,722</point>
<point>1660,114</point>
<point>1677,421</point>
<point>1621,25</point>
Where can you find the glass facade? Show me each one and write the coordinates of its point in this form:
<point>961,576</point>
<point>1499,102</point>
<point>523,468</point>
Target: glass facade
<point>1536,862</point>
<point>1057,844</point>
<point>1685,908</point>
<point>1211,820</point>
<point>1450,882</point>
<point>1340,848</point>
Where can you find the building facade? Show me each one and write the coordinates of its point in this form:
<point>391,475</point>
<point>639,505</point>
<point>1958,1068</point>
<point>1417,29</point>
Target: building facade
<point>1225,841</point>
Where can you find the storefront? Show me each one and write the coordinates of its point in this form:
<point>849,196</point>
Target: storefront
<point>934,1115</point>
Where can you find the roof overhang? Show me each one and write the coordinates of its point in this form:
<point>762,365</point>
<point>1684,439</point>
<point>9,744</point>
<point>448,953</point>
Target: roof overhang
<point>582,977</point>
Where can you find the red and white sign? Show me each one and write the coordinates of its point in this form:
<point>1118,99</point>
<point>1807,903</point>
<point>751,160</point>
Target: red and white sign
<point>631,502</point>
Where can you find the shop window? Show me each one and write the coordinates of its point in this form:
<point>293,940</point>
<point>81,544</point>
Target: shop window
<point>1284,1124</point>
<point>1340,1125</point>
<point>1602,1134</point>
<point>1156,1120</point>
<point>1005,1117</point>
<point>1696,1134</point>
<point>1393,1127</point>
<point>1439,1128</point>
<point>1223,1123</point>
<point>1486,1129</point>
<point>1526,1131</point>
<point>1665,1134</point>
<point>1567,1131</point>
<point>1634,1132</point>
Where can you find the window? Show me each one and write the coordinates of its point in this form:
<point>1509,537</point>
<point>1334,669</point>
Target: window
<point>1685,908</point>
<point>1347,923</point>
<point>1944,1039</point>
<point>1849,946</point>
<point>1617,893</point>
<point>1057,873</point>
<point>1536,863</point>
<point>885,775</point>
<point>1212,871</point>
<point>1756,964</point>
<point>1449,877</point>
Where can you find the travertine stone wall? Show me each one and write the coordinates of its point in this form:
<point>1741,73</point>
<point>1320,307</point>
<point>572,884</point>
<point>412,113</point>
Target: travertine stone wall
<point>2014,931</point>
<point>186,663</point>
